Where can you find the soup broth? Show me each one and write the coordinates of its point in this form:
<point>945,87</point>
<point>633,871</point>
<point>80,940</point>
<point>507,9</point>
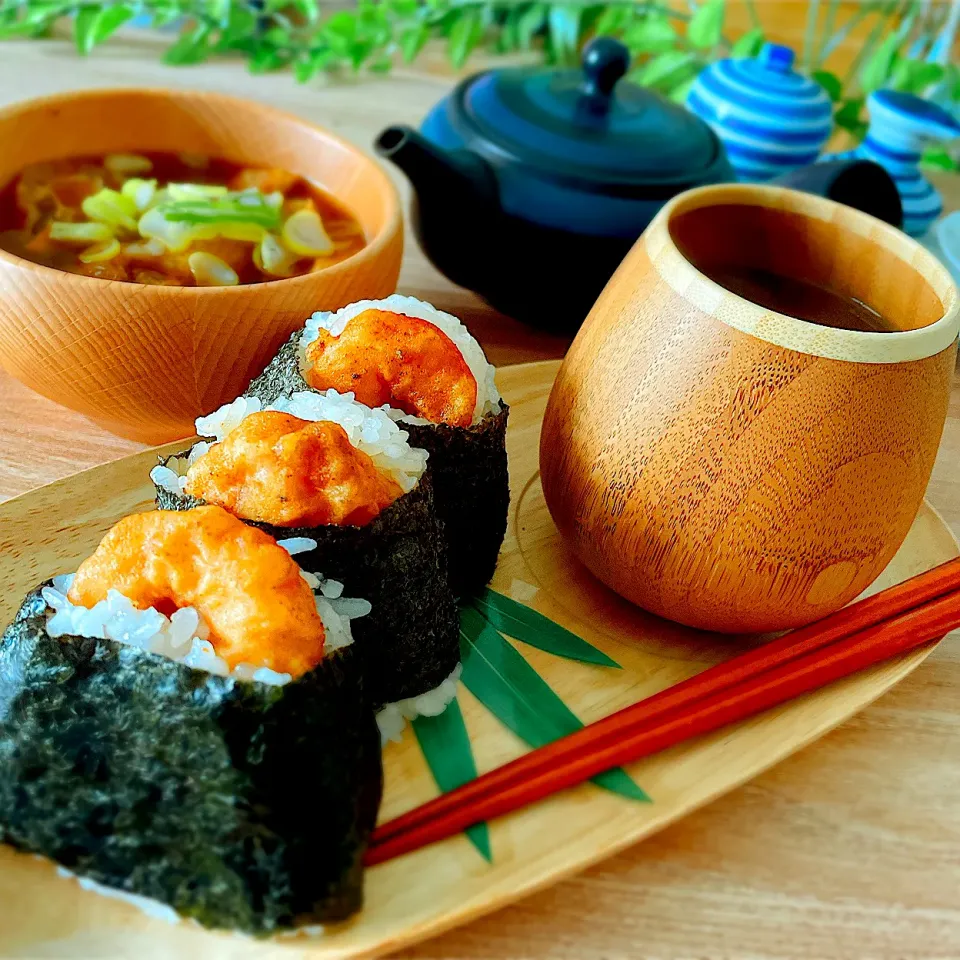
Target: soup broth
<point>173,219</point>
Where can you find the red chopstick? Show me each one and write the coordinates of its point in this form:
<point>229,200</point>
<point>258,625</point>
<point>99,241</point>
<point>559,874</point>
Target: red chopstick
<point>866,613</point>
<point>804,660</point>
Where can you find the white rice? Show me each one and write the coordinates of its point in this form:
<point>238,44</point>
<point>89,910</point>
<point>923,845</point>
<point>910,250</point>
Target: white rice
<point>371,431</point>
<point>152,908</point>
<point>488,397</point>
<point>392,719</point>
<point>184,635</point>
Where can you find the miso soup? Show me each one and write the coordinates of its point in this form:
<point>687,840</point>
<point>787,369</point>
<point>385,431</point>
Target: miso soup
<point>173,219</point>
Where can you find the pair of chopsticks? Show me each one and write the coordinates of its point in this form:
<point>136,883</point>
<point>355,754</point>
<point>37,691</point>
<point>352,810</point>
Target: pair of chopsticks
<point>892,622</point>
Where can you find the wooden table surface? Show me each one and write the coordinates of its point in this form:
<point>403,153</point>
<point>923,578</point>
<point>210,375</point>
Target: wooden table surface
<point>850,848</point>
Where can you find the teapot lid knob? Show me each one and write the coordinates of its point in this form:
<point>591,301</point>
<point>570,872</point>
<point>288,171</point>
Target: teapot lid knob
<point>776,57</point>
<point>605,60</point>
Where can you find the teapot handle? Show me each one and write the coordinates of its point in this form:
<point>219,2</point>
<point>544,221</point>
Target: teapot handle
<point>861,184</point>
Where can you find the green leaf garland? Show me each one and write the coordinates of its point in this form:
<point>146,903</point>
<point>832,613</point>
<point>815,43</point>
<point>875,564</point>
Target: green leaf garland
<point>670,43</point>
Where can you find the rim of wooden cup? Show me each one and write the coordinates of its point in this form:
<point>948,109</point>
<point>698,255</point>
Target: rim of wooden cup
<point>790,332</point>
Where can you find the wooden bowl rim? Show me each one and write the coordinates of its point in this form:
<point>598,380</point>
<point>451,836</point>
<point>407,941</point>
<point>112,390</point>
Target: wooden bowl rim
<point>791,333</point>
<point>393,222</point>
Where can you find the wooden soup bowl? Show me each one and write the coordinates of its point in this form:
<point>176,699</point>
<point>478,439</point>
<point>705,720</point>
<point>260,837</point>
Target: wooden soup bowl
<point>144,361</point>
<point>737,469</point>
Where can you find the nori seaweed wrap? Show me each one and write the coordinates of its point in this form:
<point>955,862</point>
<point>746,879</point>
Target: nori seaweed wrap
<point>240,804</point>
<point>468,463</point>
<point>397,561</point>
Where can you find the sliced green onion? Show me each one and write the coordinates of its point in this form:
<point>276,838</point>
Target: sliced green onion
<point>227,209</point>
<point>272,258</point>
<point>141,192</point>
<point>151,248</point>
<point>211,271</point>
<point>125,164</point>
<point>304,235</point>
<point>101,251</point>
<point>110,207</point>
<point>195,191</point>
<point>175,236</point>
<point>249,232</point>
<point>80,232</point>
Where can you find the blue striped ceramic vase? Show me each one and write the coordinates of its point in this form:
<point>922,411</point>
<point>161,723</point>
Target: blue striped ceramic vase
<point>770,118</point>
<point>901,125</point>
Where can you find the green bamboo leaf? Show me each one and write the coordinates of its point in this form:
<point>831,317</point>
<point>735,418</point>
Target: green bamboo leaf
<point>341,26</point>
<point>164,12</point>
<point>34,21</point>
<point>937,158</point>
<point>847,116</point>
<point>110,20</point>
<point>240,32</point>
<point>308,9</point>
<point>831,83</point>
<point>83,27</point>
<point>614,20</point>
<point>679,93</point>
<point>706,25</point>
<point>529,23</point>
<point>403,8</point>
<point>304,70</point>
<point>666,70</point>
<point>951,79</point>
<point>749,45</point>
<point>563,23</point>
<point>446,748</point>
<point>266,59</point>
<point>502,680</point>
<point>412,41</point>
<point>878,67</point>
<point>464,36</point>
<point>914,76</point>
<point>653,34</point>
<point>191,47</point>
<point>530,627</point>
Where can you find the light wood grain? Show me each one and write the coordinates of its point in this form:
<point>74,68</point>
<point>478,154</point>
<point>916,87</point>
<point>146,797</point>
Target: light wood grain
<point>52,529</point>
<point>731,467</point>
<point>848,849</point>
<point>145,361</point>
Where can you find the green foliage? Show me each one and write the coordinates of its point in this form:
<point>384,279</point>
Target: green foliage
<point>502,680</point>
<point>464,36</point>
<point>669,45</point>
<point>749,45</point>
<point>877,69</point>
<point>497,674</point>
<point>654,34</point>
<point>849,117</point>
<point>530,627</point>
<point>936,158</point>
<point>831,83</point>
<point>706,25</point>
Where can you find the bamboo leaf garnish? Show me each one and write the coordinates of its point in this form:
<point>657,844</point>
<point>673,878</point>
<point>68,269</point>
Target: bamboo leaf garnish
<point>526,625</point>
<point>445,744</point>
<point>501,679</point>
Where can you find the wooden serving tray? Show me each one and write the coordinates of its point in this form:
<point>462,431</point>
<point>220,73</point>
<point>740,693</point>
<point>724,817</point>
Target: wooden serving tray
<point>53,528</point>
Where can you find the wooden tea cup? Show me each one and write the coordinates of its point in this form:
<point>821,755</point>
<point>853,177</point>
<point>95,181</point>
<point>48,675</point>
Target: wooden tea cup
<point>737,469</point>
<point>144,361</point>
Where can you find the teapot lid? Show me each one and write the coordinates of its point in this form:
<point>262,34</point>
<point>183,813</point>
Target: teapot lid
<point>588,125</point>
<point>767,85</point>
